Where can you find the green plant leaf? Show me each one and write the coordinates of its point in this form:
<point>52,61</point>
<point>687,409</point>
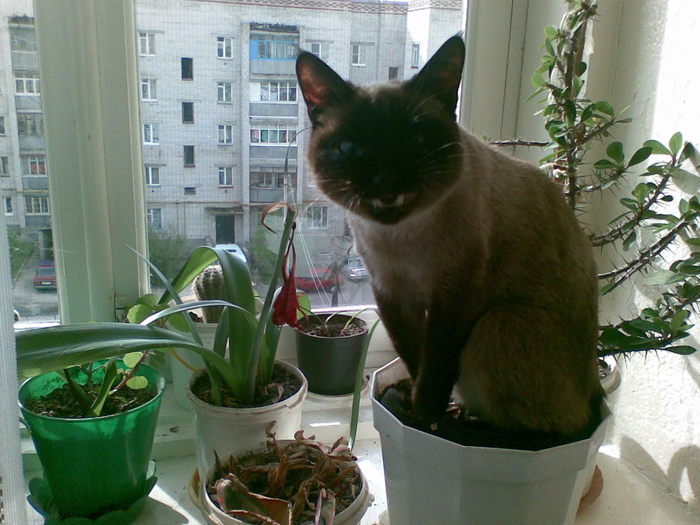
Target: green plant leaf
<point>675,143</point>
<point>640,156</point>
<point>657,148</point>
<point>605,107</point>
<point>138,313</point>
<point>137,382</point>
<point>615,152</point>
<point>132,359</point>
<point>680,350</point>
<point>111,374</point>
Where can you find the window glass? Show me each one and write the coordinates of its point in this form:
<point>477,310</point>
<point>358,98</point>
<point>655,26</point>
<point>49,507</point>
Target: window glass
<point>253,48</point>
<point>24,173</point>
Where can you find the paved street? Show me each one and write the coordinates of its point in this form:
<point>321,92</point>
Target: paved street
<point>30,303</point>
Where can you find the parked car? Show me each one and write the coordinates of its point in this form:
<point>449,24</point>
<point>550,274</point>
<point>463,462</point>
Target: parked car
<point>45,276</point>
<point>234,249</point>
<point>355,269</point>
<point>319,277</point>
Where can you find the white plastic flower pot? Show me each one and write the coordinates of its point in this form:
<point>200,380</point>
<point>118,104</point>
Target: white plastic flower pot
<point>432,480</point>
<point>349,516</point>
<point>229,431</point>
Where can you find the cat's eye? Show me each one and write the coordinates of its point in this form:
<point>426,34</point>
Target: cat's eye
<point>350,149</point>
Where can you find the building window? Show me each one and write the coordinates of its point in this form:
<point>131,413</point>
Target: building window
<point>7,205</point>
<point>317,217</point>
<point>147,43</point>
<point>2,125</point>
<point>188,112</point>
<point>278,91</point>
<point>154,218</point>
<point>4,166</point>
<point>321,49</point>
<point>224,47</point>
<point>358,55</point>
<point>36,205</point>
<point>393,73</point>
<point>266,180</point>
<point>27,84</point>
<point>273,47</point>
<point>34,165</point>
<point>148,89</point>
<point>223,91</point>
<point>188,152</point>
<point>187,68</point>
<point>30,124</point>
<point>190,190</point>
<point>150,134</point>
<point>415,55</point>
<point>152,176</point>
<point>272,134</point>
<point>225,176</point>
<point>226,134</point>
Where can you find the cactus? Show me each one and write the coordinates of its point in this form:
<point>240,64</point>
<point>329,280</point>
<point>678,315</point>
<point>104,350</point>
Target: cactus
<point>210,285</point>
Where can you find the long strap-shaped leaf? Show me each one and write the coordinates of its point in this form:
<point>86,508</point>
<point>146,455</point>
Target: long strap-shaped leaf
<point>47,349</point>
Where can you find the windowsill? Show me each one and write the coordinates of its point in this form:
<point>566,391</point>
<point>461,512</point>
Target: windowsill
<point>627,498</point>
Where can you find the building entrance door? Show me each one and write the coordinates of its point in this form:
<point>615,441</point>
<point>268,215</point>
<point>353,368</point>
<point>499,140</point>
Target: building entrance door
<point>225,229</point>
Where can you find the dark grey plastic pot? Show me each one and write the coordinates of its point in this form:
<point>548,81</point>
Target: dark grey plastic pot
<point>330,363</point>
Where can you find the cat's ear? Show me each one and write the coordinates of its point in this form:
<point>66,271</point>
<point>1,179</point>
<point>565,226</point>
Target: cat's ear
<point>441,76</point>
<point>321,86</point>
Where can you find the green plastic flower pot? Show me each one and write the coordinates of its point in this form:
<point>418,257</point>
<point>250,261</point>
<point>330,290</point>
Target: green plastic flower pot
<point>93,465</point>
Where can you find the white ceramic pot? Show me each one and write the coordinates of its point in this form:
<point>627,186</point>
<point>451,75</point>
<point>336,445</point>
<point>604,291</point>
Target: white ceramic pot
<point>350,516</point>
<point>235,430</point>
<point>432,480</point>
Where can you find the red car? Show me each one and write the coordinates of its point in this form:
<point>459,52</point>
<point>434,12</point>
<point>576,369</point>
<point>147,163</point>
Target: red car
<point>320,277</point>
<point>45,276</point>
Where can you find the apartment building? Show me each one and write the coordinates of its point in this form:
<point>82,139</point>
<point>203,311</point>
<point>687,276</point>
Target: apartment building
<point>223,122</point>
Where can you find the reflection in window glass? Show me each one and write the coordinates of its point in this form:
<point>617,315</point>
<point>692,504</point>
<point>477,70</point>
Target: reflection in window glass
<point>264,114</point>
<point>23,168</point>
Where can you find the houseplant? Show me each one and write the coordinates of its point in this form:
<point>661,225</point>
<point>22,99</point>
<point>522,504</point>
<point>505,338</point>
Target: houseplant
<point>289,481</point>
<point>93,434</point>
<point>251,341</point>
<point>329,347</point>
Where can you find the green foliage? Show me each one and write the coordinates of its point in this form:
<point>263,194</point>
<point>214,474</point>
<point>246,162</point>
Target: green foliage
<point>21,249</point>
<point>653,220</point>
<point>263,258</point>
<point>251,339</point>
<point>167,250</point>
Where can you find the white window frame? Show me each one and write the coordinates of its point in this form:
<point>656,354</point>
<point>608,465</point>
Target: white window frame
<point>357,55</point>
<point>278,92</point>
<point>36,122</point>
<point>272,135</point>
<point>224,47</point>
<point>151,134</point>
<point>27,83</point>
<point>7,206</point>
<point>225,176</point>
<point>2,125</point>
<point>149,91</point>
<point>147,43</point>
<point>28,163</point>
<point>415,55</point>
<point>225,134</point>
<point>36,205</point>
<point>152,175</point>
<point>224,91</point>
<point>184,156</point>
<point>321,49</point>
<point>154,218</point>
<point>4,166</point>
<point>317,217</point>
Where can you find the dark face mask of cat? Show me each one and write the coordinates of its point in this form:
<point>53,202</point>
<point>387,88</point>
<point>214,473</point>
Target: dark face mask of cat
<point>385,152</point>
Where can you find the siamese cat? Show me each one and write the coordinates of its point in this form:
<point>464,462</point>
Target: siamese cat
<point>481,273</point>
